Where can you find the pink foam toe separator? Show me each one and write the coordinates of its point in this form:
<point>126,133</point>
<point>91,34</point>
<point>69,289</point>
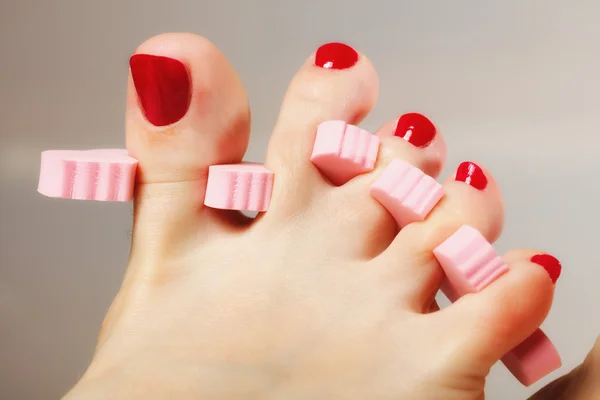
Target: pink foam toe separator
<point>533,359</point>
<point>470,264</point>
<point>406,192</point>
<point>244,187</point>
<point>102,174</point>
<point>342,151</point>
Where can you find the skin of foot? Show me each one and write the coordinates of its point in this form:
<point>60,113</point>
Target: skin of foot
<point>322,296</point>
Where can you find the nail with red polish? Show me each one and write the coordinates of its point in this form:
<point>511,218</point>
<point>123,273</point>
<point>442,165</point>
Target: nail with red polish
<point>416,129</point>
<point>163,87</point>
<point>471,174</point>
<point>336,56</point>
<point>550,264</point>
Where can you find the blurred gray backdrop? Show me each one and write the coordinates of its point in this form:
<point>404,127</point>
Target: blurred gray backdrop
<point>512,84</point>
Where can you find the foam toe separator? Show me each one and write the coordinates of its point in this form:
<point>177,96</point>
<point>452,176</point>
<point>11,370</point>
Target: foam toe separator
<point>243,187</point>
<point>102,174</point>
<point>406,192</point>
<point>342,151</point>
<point>470,264</point>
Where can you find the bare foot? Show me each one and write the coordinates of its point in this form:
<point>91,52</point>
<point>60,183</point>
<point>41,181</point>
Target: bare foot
<point>319,298</point>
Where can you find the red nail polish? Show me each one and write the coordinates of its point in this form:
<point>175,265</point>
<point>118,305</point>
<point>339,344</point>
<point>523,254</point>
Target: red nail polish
<point>416,129</point>
<point>336,56</point>
<point>550,264</point>
<point>163,87</point>
<point>471,174</point>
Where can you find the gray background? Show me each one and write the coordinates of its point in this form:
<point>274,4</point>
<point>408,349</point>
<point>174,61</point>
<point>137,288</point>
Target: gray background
<point>513,84</point>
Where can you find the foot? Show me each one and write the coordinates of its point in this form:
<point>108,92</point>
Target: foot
<point>320,297</point>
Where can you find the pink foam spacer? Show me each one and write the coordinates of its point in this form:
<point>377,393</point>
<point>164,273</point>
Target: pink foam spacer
<point>533,359</point>
<point>343,151</point>
<point>102,174</point>
<point>244,187</point>
<point>406,192</point>
<point>470,264</point>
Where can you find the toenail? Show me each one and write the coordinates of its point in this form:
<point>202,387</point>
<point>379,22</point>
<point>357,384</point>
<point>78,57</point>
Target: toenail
<point>550,264</point>
<point>406,192</point>
<point>336,56</point>
<point>163,87</point>
<point>416,129</point>
<point>342,151</point>
<point>471,174</point>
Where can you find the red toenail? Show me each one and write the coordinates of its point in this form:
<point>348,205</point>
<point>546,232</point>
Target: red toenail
<point>336,56</point>
<point>550,264</point>
<point>163,87</point>
<point>416,129</point>
<point>471,174</point>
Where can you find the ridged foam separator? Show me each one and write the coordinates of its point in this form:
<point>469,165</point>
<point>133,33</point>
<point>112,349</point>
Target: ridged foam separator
<point>342,151</point>
<point>470,264</point>
<point>101,174</point>
<point>243,187</point>
<point>406,192</point>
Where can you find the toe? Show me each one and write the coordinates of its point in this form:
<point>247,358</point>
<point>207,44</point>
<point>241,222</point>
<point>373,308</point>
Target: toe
<point>414,138</point>
<point>186,110</point>
<point>472,198</point>
<point>368,224</point>
<point>335,83</point>
<point>491,323</point>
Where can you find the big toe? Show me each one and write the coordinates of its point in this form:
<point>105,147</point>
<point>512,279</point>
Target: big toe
<point>186,110</point>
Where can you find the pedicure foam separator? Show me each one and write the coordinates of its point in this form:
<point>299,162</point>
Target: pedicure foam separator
<point>406,192</point>
<point>343,151</point>
<point>102,174</point>
<point>243,187</point>
<point>470,264</point>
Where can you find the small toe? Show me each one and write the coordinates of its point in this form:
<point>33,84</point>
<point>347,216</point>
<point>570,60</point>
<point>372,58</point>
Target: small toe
<point>471,197</point>
<point>502,320</point>
<point>400,188</point>
<point>335,83</point>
